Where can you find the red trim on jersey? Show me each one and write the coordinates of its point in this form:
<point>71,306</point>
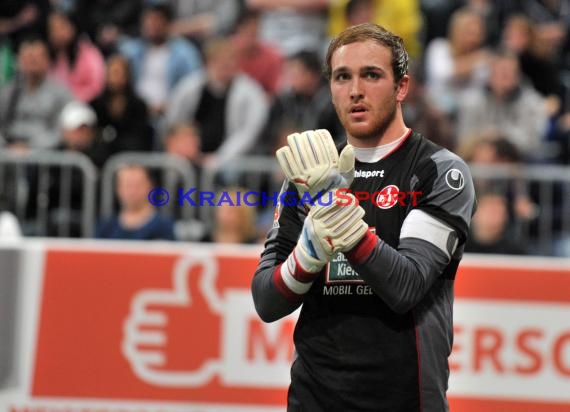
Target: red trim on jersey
<point>400,145</point>
<point>282,287</point>
<point>363,249</point>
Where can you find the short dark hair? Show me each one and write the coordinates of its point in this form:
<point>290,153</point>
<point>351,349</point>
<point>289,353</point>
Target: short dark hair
<point>353,5</point>
<point>149,173</point>
<point>371,31</point>
<point>506,150</point>
<point>309,59</point>
<point>245,16</point>
<point>162,8</point>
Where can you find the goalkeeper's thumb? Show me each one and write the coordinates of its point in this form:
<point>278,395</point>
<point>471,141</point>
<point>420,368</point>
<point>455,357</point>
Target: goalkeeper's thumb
<point>346,164</point>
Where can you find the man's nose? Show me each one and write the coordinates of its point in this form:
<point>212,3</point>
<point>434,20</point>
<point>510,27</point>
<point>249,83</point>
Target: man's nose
<point>356,92</point>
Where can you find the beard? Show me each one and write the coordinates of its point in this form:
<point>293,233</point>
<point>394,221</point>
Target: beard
<point>378,128</point>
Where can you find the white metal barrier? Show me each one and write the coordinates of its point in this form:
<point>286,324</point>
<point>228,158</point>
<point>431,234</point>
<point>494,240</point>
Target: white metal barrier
<point>546,185</point>
<point>42,186</point>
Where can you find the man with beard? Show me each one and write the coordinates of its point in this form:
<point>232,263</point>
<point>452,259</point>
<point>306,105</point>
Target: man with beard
<point>375,276</point>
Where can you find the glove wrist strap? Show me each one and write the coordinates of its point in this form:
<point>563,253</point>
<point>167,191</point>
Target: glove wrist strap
<point>359,253</point>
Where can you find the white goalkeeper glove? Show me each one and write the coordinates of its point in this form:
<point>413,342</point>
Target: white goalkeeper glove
<point>328,229</point>
<point>311,161</point>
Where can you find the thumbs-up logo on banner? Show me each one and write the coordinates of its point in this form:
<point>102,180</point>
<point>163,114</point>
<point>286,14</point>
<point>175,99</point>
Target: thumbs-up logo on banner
<point>189,334</point>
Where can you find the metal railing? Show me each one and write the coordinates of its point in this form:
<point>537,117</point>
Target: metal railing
<point>41,204</point>
<point>547,186</point>
<point>258,173</point>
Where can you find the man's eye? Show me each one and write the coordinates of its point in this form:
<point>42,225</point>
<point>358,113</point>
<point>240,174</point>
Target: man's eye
<point>372,75</point>
<point>342,76</point>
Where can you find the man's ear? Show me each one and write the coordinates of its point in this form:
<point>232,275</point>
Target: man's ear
<point>402,88</point>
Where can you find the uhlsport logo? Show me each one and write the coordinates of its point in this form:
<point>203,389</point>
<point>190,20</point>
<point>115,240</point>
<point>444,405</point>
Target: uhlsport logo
<point>454,179</point>
<point>368,173</point>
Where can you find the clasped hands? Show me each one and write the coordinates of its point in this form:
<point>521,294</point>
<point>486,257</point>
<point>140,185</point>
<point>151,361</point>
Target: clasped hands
<point>312,163</point>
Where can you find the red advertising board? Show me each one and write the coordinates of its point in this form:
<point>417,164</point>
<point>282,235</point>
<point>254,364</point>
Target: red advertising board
<point>137,329</point>
<point>156,327</point>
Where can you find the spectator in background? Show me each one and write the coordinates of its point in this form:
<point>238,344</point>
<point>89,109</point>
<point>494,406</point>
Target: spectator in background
<point>494,13</point>
<point>31,103</point>
<point>259,60</point>
<point>137,219</point>
<point>122,115</point>
<point>107,21</point>
<point>540,64</point>
<point>64,190</point>
<point>458,62</point>
<point>551,20</point>
<point>519,36</point>
<point>76,62</point>
<point>489,149</point>
<point>490,229</point>
<point>157,59</point>
<point>436,16</point>
<point>7,62</point>
<point>292,26</point>
<point>78,125</point>
<point>424,117</point>
<point>20,19</point>
<point>516,36</point>
<point>229,108</point>
<point>402,17</point>
<point>506,106</point>
<point>303,104</point>
<point>183,140</point>
<point>493,150</point>
<point>199,20</point>
<point>234,222</point>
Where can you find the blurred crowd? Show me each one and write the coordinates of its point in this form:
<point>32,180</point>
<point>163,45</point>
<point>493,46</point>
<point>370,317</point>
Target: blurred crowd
<point>210,80</point>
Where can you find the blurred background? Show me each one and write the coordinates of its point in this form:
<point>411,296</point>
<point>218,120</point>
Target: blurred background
<point>102,101</point>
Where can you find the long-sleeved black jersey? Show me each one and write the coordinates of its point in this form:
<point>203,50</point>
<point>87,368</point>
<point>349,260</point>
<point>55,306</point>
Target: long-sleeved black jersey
<point>375,328</point>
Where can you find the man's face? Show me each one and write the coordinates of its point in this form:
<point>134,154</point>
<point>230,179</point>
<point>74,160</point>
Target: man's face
<point>491,217</point>
<point>61,31</point>
<point>223,66</point>
<point>504,75</point>
<point>117,73</point>
<point>155,27</point>
<point>185,142</point>
<point>363,89</point>
<point>133,186</point>
<point>302,80</point>
<point>33,59</point>
<point>246,35</point>
<point>79,138</point>
<point>469,33</point>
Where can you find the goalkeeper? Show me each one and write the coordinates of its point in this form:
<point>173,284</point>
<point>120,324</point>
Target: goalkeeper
<point>375,277</point>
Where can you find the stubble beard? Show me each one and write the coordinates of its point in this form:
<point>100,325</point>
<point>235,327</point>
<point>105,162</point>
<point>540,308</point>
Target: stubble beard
<point>378,131</point>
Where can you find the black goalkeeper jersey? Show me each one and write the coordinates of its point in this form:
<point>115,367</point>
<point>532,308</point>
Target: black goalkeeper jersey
<point>374,332</point>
